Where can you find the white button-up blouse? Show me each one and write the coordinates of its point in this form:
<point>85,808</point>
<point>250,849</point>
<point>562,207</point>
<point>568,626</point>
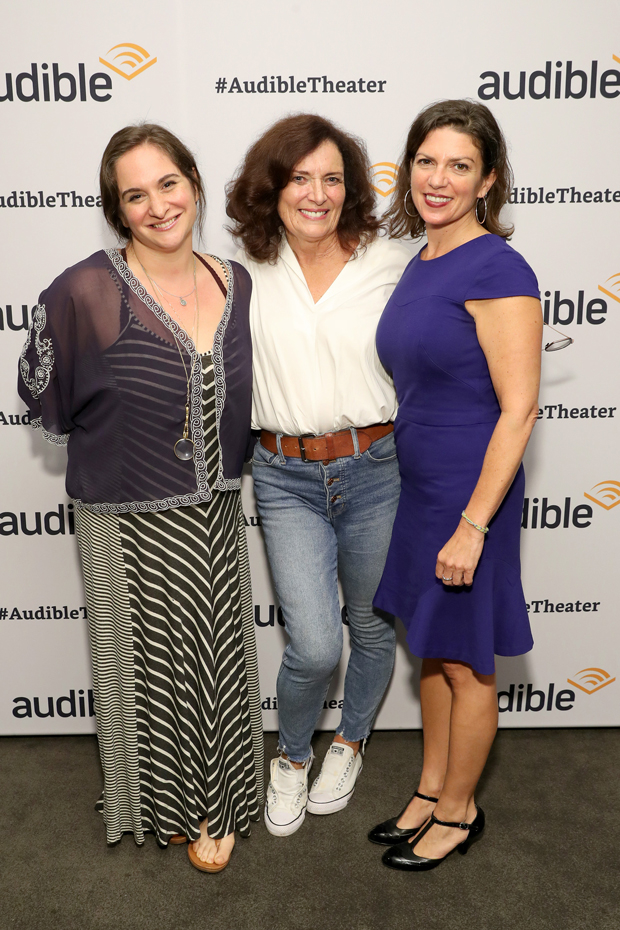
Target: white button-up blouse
<point>316,368</point>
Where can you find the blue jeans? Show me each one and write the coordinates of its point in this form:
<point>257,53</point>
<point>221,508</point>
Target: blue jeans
<point>320,522</point>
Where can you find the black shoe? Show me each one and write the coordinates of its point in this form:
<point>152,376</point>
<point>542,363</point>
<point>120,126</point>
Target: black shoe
<point>403,857</point>
<point>387,833</point>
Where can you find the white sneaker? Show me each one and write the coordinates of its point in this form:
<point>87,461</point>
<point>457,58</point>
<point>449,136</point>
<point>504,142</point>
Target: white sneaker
<point>287,796</point>
<point>334,787</point>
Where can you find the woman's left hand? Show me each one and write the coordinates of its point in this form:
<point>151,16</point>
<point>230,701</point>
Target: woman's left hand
<point>459,557</point>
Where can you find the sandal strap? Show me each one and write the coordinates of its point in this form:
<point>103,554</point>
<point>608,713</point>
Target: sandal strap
<point>451,823</point>
<point>425,797</point>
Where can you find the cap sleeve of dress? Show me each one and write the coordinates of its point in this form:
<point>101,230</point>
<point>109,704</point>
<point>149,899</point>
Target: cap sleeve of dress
<point>504,273</point>
<point>45,364</point>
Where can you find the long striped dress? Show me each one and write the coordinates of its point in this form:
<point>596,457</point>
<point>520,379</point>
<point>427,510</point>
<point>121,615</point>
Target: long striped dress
<point>174,662</point>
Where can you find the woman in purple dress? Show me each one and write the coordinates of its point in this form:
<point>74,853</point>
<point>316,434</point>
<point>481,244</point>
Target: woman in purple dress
<point>461,336</point>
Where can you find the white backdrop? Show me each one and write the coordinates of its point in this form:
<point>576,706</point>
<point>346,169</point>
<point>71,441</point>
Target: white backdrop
<point>218,75</point>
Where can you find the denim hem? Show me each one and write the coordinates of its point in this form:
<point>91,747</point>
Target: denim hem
<point>354,739</point>
<point>282,749</point>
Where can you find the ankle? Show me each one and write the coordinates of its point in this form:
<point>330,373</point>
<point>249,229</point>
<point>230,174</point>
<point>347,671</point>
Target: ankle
<point>353,745</point>
<point>296,765</point>
<point>455,811</point>
<point>430,789</point>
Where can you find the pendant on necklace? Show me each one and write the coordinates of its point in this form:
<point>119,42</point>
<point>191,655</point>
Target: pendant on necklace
<point>183,302</point>
<point>184,449</point>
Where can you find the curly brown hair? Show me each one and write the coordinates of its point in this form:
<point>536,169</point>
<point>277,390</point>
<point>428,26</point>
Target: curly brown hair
<point>252,195</point>
<point>475,120</point>
<point>122,142</point>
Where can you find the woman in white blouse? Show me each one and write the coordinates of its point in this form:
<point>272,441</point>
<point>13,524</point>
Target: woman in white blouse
<point>325,470</point>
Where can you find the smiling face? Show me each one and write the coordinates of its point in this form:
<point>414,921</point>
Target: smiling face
<point>156,201</point>
<point>311,203</point>
<point>446,178</point>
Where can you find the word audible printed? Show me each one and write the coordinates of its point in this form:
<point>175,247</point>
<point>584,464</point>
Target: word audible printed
<point>567,310</point>
<point>566,81</point>
<point>52,523</point>
<point>276,84</point>
<point>12,318</point>
<point>559,412</point>
<point>44,613</point>
<point>513,699</point>
<point>271,703</point>
<point>260,619</point>
<point>59,86</point>
<point>64,706</point>
<point>564,195</point>
<point>39,199</point>
<point>546,516</point>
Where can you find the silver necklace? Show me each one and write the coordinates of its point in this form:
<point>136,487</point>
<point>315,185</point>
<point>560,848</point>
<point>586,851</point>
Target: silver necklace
<point>184,448</point>
<point>180,297</point>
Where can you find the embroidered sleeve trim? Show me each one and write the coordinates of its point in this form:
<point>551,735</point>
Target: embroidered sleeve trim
<point>45,354</point>
<point>54,438</point>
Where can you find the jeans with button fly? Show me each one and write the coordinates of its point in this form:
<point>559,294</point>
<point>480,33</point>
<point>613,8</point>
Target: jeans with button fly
<point>320,522</point>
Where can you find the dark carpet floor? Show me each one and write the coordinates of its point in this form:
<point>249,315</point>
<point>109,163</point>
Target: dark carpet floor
<point>548,861</point>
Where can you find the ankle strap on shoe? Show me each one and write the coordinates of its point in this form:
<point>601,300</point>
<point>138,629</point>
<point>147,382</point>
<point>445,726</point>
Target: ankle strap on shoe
<point>451,823</point>
<point>425,797</point>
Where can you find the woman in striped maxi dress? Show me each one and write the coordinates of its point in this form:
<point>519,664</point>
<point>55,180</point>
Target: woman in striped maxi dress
<point>139,359</point>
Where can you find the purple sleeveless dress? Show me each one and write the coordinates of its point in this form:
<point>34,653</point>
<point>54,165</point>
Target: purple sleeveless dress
<point>447,413</point>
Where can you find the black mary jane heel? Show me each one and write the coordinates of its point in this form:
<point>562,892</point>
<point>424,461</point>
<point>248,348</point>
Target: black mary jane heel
<point>403,857</point>
<point>388,834</point>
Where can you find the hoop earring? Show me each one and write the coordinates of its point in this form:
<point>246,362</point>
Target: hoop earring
<point>484,200</point>
<point>405,205</point>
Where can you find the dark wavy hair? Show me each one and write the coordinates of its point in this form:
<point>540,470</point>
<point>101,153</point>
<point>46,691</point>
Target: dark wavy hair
<point>252,195</point>
<point>476,121</point>
<point>122,142</point>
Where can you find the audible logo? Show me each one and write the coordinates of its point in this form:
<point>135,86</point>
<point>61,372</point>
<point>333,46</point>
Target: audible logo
<point>383,177</point>
<point>53,522</point>
<point>518,698</point>
<point>64,85</point>
<point>591,680</point>
<point>131,60</point>
<point>567,82</point>
<point>273,614</point>
<point>613,282</point>
<point>567,310</point>
<point>13,320</point>
<point>554,516</point>
<point>65,706</point>
<point>607,491</point>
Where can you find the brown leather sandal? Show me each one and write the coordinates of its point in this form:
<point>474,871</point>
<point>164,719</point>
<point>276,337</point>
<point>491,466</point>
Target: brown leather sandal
<point>198,863</point>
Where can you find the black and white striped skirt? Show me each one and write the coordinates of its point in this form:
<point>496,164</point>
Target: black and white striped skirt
<point>175,669</point>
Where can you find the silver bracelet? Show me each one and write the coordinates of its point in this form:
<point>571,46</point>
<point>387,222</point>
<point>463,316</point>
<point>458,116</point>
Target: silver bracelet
<point>483,529</point>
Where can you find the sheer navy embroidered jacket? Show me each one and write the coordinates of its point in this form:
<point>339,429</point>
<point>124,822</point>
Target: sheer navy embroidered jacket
<point>102,371</point>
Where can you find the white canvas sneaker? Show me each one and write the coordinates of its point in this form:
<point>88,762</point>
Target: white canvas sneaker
<point>334,787</point>
<point>287,796</point>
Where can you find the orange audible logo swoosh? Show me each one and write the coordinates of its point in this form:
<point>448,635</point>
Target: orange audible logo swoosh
<point>591,680</point>
<point>607,490</point>
<point>131,60</point>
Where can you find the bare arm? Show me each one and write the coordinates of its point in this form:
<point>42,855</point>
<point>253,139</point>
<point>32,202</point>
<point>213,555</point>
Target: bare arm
<point>510,334</point>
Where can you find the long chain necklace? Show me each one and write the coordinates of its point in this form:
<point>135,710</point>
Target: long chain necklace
<point>184,448</point>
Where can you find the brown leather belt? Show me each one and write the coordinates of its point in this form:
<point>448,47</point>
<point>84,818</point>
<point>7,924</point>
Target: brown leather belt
<point>328,446</point>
